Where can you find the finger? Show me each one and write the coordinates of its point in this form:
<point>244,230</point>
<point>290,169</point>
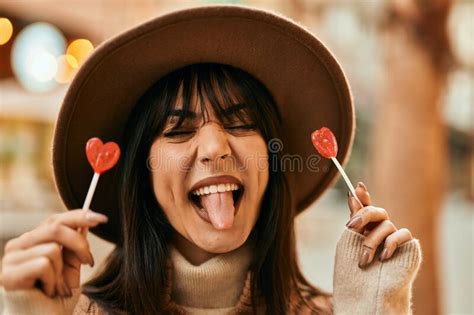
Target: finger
<point>352,204</point>
<point>44,271</point>
<point>73,219</point>
<point>366,215</point>
<point>373,240</point>
<point>393,241</point>
<point>72,269</point>
<point>61,284</point>
<point>78,218</point>
<point>24,276</point>
<point>363,194</point>
<point>57,233</point>
<point>52,251</point>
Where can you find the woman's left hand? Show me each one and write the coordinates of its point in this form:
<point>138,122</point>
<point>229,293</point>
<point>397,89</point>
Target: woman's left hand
<point>374,223</point>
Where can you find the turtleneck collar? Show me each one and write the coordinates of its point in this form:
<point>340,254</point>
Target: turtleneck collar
<point>216,283</point>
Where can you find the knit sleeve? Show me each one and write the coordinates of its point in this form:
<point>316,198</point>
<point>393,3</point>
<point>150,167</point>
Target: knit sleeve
<point>380,288</point>
<point>35,302</point>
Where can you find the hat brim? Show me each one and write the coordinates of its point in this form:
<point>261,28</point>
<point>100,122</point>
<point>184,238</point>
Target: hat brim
<point>304,78</point>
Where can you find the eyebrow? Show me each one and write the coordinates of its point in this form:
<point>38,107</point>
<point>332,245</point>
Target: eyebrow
<point>192,115</point>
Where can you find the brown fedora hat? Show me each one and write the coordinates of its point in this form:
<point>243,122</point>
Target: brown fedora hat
<point>304,78</point>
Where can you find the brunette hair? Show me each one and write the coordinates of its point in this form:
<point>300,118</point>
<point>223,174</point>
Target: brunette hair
<point>134,276</point>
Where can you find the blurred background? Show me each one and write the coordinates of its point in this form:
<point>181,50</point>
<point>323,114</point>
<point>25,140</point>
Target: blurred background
<point>411,67</point>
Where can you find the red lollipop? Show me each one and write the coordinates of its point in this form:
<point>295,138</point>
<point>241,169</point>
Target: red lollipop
<point>325,143</point>
<point>102,157</point>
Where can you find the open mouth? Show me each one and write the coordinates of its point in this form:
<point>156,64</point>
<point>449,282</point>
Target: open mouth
<point>236,195</point>
<point>216,200</point>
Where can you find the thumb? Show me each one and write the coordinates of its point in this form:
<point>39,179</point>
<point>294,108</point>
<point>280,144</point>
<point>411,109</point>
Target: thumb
<point>363,196</point>
<point>354,206</point>
<point>72,269</point>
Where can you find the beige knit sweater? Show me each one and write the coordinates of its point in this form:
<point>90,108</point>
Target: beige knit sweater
<point>221,285</point>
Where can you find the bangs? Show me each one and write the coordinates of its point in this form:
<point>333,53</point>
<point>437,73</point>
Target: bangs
<point>210,87</point>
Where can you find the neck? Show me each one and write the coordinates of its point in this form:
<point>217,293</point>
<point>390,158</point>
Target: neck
<point>191,252</point>
<point>216,283</point>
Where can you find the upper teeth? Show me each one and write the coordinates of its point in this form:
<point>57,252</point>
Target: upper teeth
<point>215,188</point>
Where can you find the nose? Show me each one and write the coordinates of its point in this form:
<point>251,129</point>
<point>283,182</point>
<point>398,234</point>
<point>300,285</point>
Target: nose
<point>213,144</point>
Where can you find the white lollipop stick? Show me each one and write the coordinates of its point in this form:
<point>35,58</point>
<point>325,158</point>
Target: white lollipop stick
<point>346,179</point>
<point>90,192</point>
<point>95,151</point>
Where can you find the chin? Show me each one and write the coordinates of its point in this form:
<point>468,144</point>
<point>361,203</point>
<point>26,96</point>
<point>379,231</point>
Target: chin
<point>219,243</point>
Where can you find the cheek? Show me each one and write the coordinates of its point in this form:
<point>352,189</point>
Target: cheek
<point>257,173</point>
<point>262,166</point>
<point>159,174</point>
<point>254,157</point>
<point>168,172</point>
<point>168,168</point>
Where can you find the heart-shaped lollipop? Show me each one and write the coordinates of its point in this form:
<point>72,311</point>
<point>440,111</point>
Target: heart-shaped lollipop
<point>102,157</point>
<point>325,143</point>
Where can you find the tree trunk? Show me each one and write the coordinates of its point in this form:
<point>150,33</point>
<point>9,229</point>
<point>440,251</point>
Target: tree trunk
<point>409,152</point>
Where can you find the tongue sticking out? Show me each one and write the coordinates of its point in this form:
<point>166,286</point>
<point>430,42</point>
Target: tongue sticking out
<point>220,208</point>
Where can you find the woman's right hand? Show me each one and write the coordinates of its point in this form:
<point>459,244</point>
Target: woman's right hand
<point>52,254</point>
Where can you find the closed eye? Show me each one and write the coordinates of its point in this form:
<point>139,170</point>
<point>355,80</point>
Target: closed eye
<point>243,127</point>
<point>242,130</point>
<point>177,133</point>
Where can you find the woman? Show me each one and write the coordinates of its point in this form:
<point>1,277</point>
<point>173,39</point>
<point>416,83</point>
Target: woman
<point>201,207</point>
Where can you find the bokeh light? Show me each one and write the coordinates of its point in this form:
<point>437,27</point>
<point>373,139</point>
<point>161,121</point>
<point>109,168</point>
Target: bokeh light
<point>34,55</point>
<point>80,49</point>
<point>42,65</point>
<point>67,68</point>
<point>6,30</point>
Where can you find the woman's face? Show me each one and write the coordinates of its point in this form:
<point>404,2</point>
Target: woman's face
<point>196,170</point>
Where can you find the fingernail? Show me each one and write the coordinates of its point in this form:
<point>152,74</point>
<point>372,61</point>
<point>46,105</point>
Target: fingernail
<point>94,216</point>
<point>384,254</point>
<point>364,259</point>
<point>91,260</point>
<point>361,185</point>
<point>348,194</point>
<point>354,222</point>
